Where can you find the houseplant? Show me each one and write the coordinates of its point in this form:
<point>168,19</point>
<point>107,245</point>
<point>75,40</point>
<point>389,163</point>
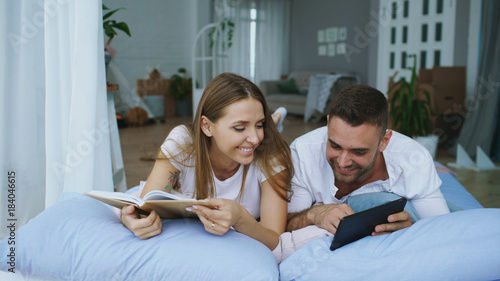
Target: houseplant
<point>110,30</point>
<point>411,109</point>
<point>110,26</point>
<point>180,88</point>
<point>222,35</point>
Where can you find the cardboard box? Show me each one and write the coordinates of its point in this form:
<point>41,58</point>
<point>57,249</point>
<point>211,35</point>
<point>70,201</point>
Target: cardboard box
<point>157,86</point>
<point>446,86</point>
<point>153,86</point>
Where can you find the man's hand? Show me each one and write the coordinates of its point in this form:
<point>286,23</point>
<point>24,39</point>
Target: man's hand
<point>396,222</point>
<point>328,216</point>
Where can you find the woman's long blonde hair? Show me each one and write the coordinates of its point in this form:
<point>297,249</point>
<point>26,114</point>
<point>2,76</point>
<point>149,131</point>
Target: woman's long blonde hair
<point>273,151</point>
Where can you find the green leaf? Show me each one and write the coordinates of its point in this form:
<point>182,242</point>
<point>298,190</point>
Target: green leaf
<point>123,27</point>
<point>109,14</point>
<point>429,101</point>
<point>410,110</point>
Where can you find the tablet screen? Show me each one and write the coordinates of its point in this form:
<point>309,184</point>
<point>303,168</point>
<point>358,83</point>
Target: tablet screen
<point>359,225</point>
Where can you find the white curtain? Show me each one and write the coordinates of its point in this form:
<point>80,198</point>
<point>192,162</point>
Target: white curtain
<point>482,121</point>
<point>55,130</point>
<point>271,41</point>
<point>239,54</point>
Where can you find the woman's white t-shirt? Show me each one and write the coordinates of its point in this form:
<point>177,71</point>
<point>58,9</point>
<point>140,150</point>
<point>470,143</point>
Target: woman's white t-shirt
<point>228,189</point>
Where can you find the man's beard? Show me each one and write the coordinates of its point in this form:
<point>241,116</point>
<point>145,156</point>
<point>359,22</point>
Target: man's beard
<point>352,177</point>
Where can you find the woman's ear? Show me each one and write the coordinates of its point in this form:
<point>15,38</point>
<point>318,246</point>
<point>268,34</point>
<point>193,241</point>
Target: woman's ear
<point>206,126</point>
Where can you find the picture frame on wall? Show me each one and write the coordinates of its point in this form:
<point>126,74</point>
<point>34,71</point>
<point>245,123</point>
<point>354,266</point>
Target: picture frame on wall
<point>341,49</point>
<point>321,36</point>
<point>331,34</point>
<point>331,49</point>
<point>343,33</point>
<point>322,50</point>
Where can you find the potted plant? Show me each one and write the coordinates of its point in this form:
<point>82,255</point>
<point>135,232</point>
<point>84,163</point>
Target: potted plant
<point>411,109</point>
<point>222,35</point>
<point>110,27</point>
<point>180,88</point>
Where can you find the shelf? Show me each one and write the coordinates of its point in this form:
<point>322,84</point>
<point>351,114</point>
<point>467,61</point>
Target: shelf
<point>113,87</point>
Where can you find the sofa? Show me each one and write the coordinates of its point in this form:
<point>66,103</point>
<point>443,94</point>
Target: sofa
<point>292,92</point>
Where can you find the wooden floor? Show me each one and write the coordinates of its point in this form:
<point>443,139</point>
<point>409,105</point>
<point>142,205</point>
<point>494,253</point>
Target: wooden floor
<point>140,145</point>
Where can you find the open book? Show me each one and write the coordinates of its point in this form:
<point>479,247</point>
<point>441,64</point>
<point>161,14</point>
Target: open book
<point>166,205</point>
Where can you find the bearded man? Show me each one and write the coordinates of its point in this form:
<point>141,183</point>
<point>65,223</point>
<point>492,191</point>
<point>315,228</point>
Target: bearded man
<point>356,160</point>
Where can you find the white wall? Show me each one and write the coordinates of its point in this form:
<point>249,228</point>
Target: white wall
<point>162,31</point>
<point>307,17</point>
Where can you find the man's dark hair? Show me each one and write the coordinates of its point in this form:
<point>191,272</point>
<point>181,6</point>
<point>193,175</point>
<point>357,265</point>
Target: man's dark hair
<point>359,104</point>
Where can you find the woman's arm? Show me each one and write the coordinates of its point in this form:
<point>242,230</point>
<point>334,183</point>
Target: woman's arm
<point>163,176</point>
<point>230,214</point>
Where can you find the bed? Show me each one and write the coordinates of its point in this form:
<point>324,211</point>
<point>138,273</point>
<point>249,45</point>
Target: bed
<point>80,238</point>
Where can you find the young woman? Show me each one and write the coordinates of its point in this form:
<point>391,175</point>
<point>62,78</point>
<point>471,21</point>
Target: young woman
<point>233,155</point>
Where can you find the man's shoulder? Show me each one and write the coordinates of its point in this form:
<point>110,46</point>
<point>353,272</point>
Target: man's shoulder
<point>403,149</point>
<point>401,143</point>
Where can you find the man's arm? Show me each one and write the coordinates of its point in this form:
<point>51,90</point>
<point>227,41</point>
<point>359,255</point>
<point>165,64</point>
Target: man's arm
<point>328,217</point>
<point>324,216</point>
<point>432,205</point>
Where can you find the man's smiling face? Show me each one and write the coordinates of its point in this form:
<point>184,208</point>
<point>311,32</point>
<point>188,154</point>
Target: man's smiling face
<point>352,151</point>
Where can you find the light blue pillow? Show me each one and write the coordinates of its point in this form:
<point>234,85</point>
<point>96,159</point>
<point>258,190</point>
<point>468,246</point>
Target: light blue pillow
<point>80,238</point>
<point>455,193</point>
<point>462,245</point>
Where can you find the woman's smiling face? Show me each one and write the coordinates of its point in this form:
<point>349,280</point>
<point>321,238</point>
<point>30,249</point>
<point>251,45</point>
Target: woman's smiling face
<point>236,135</point>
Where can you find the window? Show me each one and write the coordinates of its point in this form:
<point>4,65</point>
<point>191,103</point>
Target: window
<point>437,58</point>
<point>439,6</point>
<point>253,34</point>
<point>427,31</point>
<point>424,33</point>
<point>439,28</point>
<point>423,59</point>
<point>425,8</point>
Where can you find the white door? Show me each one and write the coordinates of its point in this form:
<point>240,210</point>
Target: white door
<point>425,28</point>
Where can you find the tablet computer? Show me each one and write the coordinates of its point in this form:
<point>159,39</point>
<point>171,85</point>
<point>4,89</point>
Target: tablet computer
<point>359,225</point>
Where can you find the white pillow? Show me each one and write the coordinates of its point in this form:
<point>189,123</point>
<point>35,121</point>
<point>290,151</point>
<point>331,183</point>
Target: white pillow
<point>81,238</point>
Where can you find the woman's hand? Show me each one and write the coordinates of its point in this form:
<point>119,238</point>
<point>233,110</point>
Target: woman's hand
<point>142,226</point>
<point>226,214</point>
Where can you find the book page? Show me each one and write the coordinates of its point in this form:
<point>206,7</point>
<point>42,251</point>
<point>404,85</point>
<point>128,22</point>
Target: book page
<point>117,196</point>
<point>162,195</point>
